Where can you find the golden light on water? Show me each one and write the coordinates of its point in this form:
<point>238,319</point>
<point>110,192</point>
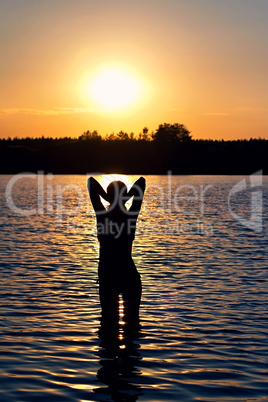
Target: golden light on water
<point>121,309</point>
<point>54,348</point>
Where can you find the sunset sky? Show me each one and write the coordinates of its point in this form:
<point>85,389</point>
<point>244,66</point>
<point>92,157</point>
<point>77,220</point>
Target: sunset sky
<point>68,66</point>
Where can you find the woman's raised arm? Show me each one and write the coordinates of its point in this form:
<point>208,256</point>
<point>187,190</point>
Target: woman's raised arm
<point>137,190</point>
<point>95,191</point>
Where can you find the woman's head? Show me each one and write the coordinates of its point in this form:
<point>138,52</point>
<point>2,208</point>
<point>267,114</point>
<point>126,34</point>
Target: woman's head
<point>117,192</point>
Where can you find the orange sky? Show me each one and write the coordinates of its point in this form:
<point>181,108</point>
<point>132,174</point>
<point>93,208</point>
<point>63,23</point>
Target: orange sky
<point>202,63</point>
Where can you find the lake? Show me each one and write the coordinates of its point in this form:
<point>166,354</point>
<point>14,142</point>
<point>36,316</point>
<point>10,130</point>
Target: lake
<point>201,250</point>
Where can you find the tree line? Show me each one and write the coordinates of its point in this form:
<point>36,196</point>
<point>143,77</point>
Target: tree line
<point>170,148</point>
<point>165,132</point>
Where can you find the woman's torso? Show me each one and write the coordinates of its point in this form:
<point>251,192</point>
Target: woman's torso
<point>116,232</point>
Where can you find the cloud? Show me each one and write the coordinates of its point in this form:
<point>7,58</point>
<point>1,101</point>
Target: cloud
<point>50,112</point>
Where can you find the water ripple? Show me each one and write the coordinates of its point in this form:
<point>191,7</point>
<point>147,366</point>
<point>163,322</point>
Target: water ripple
<point>203,312</point>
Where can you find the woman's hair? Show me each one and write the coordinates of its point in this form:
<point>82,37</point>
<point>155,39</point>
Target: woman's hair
<point>117,191</point>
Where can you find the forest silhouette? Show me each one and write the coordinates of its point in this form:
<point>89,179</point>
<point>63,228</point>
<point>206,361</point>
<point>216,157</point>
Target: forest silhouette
<point>170,148</point>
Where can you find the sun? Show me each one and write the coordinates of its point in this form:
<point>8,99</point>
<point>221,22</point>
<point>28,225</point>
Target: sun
<point>115,88</point>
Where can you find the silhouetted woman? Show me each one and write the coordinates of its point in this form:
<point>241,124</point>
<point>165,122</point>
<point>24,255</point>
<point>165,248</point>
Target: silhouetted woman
<point>116,231</point>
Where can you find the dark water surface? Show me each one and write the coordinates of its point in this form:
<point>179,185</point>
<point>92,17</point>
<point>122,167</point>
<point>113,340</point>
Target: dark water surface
<point>204,304</point>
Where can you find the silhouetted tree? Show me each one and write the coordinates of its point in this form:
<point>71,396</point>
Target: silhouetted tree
<point>144,136</point>
<point>110,137</point>
<point>122,136</point>
<point>172,132</point>
<point>87,135</point>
